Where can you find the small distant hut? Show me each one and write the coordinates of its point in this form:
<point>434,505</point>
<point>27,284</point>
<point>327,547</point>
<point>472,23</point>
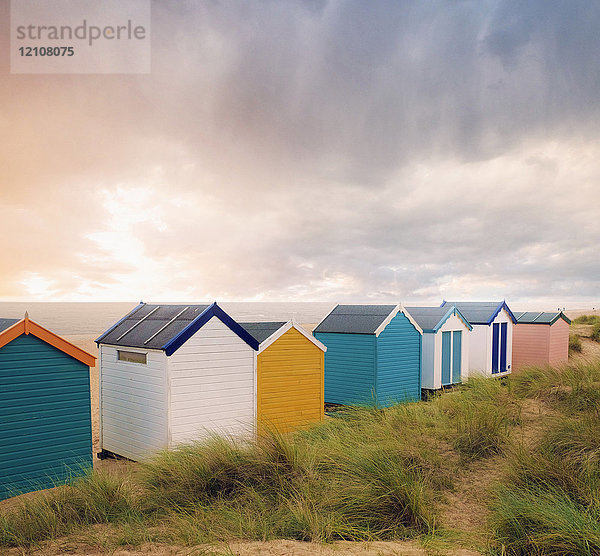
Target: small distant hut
<point>540,338</point>
<point>445,351</point>
<point>373,355</point>
<point>490,341</point>
<point>45,410</point>
<point>289,375</point>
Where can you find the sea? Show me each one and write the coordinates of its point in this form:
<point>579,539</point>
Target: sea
<point>80,319</point>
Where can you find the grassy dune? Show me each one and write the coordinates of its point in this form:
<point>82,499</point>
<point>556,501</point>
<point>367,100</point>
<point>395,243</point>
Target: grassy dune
<point>363,475</point>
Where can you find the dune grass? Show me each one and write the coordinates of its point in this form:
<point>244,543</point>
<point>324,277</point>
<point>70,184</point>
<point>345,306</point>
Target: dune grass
<point>548,501</point>
<point>587,319</point>
<point>96,498</point>
<point>356,477</point>
<point>366,474</point>
<point>569,388</point>
<point>544,520</point>
<point>575,345</point>
<point>480,417</point>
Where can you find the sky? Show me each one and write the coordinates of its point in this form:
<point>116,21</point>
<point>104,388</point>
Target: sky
<point>287,150</point>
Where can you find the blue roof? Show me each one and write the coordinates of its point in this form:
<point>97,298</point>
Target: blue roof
<point>431,319</point>
<point>481,312</point>
<point>168,327</point>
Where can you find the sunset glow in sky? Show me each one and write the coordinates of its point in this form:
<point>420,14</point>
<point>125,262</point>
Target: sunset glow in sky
<point>314,151</point>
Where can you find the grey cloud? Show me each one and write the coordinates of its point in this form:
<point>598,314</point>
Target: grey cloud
<point>292,128</point>
<point>356,89</point>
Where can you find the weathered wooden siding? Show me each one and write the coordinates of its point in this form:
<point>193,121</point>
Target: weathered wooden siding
<point>211,384</point>
<point>45,417</point>
<point>398,375</point>
<point>349,368</point>
<point>290,383</point>
<point>559,343</point>
<point>531,344</point>
<point>133,404</point>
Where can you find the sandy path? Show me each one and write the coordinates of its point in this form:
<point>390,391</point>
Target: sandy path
<point>256,548</point>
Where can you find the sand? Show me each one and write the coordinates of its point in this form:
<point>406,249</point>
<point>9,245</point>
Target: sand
<point>253,548</point>
<point>86,342</point>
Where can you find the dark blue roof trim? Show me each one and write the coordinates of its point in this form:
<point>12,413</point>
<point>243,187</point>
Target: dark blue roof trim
<point>211,311</point>
<point>503,305</point>
<point>106,332</point>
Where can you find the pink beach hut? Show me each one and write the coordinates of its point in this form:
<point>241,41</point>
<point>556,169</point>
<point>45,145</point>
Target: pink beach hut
<point>540,338</point>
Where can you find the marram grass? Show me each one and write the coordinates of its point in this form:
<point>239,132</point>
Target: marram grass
<point>548,501</point>
<point>368,474</point>
<point>97,498</point>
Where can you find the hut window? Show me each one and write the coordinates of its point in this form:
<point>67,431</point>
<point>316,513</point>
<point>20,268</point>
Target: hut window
<point>131,356</point>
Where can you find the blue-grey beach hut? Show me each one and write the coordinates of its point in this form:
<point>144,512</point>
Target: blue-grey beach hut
<point>373,355</point>
<point>445,353</point>
<point>45,413</point>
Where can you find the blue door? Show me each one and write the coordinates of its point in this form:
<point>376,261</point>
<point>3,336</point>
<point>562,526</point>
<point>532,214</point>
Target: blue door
<point>495,347</point>
<point>446,357</point>
<point>456,355</point>
<point>503,334</point>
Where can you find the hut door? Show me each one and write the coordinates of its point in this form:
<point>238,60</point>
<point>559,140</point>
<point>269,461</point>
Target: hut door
<point>456,355</point>
<point>446,357</point>
<point>503,334</point>
<point>495,347</point>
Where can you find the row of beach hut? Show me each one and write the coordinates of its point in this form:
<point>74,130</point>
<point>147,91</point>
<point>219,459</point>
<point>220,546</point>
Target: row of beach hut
<point>169,374</point>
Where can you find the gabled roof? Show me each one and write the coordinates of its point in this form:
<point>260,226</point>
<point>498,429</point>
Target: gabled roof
<point>481,312</point>
<point>268,332</point>
<point>361,319</point>
<point>431,319</point>
<point>9,332</point>
<point>167,327</point>
<point>536,317</point>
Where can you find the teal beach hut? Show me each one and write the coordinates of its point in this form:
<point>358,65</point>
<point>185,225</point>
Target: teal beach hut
<point>45,412</point>
<point>373,355</point>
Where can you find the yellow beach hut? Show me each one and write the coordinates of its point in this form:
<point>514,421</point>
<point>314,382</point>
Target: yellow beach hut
<point>289,375</point>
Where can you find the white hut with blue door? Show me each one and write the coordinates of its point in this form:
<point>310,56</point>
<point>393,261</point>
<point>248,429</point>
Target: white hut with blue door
<point>373,355</point>
<point>170,374</point>
<point>445,351</point>
<point>490,342</point>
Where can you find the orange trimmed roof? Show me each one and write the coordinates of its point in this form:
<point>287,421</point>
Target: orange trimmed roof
<point>27,326</point>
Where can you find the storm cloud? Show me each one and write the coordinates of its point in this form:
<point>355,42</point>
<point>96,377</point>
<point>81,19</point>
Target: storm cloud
<point>306,150</point>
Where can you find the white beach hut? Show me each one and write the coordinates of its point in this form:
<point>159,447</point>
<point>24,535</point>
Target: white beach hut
<point>445,346</point>
<point>490,342</point>
<point>170,373</point>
